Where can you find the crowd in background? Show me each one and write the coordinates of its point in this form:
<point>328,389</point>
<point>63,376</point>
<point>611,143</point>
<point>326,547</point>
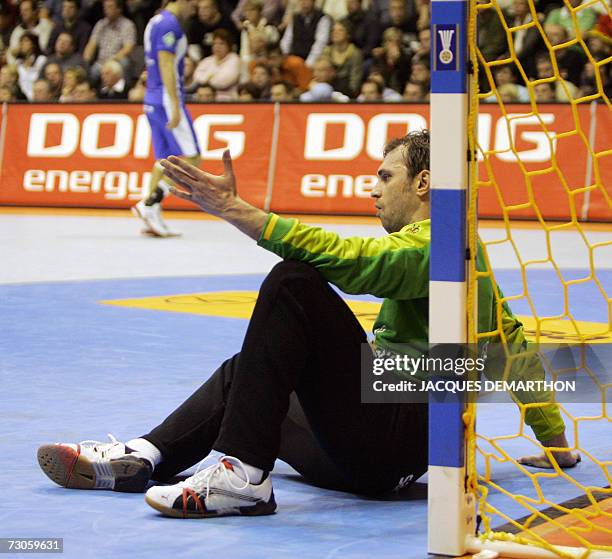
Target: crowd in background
<point>296,50</point>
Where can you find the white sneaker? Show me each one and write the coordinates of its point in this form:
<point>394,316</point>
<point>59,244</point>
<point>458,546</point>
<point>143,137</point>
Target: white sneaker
<point>94,465</point>
<point>151,215</point>
<point>214,491</point>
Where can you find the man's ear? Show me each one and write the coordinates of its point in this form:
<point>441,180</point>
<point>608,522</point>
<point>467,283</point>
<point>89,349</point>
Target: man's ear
<point>422,184</point>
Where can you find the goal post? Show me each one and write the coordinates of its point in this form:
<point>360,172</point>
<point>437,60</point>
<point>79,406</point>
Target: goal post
<point>451,508</point>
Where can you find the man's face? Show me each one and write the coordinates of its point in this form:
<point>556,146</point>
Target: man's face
<point>69,11</point>
<point>353,6</point>
<point>108,76</point>
<point>206,10</point>
<point>544,93</point>
<point>63,44</point>
<point>397,11</point>
<point>53,74</point>
<point>503,76</point>
<point>413,93</point>
<point>83,92</point>
<point>544,68</point>
<point>306,6</point>
<point>556,34</point>
<point>186,9</point>
<point>205,95</point>
<point>420,73</point>
<point>395,192</point>
<point>40,92</point>
<point>26,11</point>
<point>111,10</point>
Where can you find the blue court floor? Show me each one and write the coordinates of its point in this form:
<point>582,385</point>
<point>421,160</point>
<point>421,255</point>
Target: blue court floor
<point>72,368</point>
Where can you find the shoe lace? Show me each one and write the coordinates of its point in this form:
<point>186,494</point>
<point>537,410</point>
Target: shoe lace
<point>101,447</point>
<point>201,480</point>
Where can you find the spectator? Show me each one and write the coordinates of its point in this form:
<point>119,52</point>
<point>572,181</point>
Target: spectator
<point>393,60</point>
<point>7,94</point>
<point>137,92</point>
<point>271,11</point>
<point>420,71</point>
<point>365,28</point>
<point>389,95</point>
<point>140,12</point>
<point>70,22</point>
<point>54,76</point>
<point>84,92</point>
<point>113,85</point>
<point>422,47</point>
<point>371,91</point>
<point>402,16</point>
<point>248,92</point>
<point>504,76</point>
<point>307,33</point>
<point>63,53</point>
<point>526,41</point>
<point>570,60</point>
<point>289,68</point>
<point>201,27</point>
<point>261,79</point>
<point>281,91</point>
<point>545,92</point>
<point>189,83</point>
<point>323,75</point>
<point>564,90</point>
<point>346,59</point>
<point>389,14</point>
<point>72,77</point>
<point>205,93</point>
<point>491,37</point>
<point>254,22</point>
<point>586,18</point>
<point>9,77</point>
<point>508,93</point>
<point>222,68</point>
<point>41,92</point>
<point>113,37</point>
<point>6,28</point>
<point>29,62</point>
<point>415,92</point>
<point>30,23</point>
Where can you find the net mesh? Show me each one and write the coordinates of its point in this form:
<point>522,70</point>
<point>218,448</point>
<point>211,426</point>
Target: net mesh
<point>538,513</point>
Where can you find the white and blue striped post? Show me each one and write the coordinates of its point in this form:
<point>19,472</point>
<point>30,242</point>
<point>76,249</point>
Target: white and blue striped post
<point>449,506</point>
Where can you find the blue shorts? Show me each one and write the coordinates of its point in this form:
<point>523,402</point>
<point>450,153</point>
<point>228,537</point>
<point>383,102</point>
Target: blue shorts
<point>178,141</point>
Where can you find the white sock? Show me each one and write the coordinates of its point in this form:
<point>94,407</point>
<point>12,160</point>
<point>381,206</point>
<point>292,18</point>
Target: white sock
<point>255,474</point>
<point>145,449</point>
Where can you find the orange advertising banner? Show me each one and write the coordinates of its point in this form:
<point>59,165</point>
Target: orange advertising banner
<point>317,159</point>
<point>100,155</point>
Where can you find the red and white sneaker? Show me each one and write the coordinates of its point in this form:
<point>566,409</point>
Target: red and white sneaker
<point>215,491</point>
<point>94,465</point>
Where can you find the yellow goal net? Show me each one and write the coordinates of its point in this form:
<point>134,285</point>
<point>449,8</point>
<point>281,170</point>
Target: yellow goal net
<point>555,269</point>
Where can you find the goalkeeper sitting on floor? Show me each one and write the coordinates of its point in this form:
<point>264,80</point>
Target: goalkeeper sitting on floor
<point>293,391</point>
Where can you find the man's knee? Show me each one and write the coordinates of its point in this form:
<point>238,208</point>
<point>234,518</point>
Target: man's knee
<point>289,270</point>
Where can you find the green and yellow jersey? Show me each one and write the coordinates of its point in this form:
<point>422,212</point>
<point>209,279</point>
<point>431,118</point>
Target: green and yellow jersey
<point>396,268</point>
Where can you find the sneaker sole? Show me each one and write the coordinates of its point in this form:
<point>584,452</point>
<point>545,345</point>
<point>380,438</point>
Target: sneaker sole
<point>68,468</point>
<point>259,509</point>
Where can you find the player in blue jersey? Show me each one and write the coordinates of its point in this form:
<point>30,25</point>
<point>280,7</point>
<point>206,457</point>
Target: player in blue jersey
<point>164,104</point>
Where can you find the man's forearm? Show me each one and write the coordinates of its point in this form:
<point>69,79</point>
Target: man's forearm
<point>245,217</point>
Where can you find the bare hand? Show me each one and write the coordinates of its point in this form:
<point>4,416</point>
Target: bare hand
<point>213,193</point>
<point>564,458</point>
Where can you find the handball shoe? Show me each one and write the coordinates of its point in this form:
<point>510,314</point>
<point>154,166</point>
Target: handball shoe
<point>151,216</point>
<point>94,465</point>
<point>215,491</point>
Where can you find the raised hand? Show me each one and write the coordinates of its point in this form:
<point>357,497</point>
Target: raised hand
<point>213,193</point>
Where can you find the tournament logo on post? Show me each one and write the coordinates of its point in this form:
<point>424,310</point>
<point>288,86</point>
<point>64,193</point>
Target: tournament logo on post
<point>445,47</point>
